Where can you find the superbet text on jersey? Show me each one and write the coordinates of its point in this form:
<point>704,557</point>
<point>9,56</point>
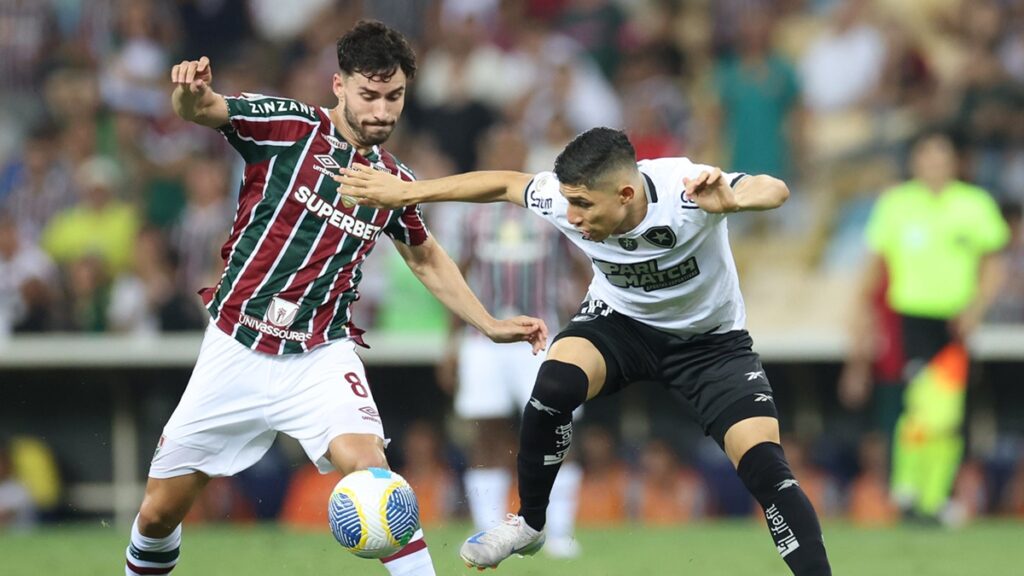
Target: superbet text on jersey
<point>675,270</point>
<point>292,260</point>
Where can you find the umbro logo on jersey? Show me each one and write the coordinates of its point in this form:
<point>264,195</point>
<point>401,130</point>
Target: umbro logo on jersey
<point>628,244</point>
<point>335,142</point>
<point>661,236</point>
<point>327,161</point>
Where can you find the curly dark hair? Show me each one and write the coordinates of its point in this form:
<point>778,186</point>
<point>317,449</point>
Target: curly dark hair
<point>592,155</point>
<point>375,51</point>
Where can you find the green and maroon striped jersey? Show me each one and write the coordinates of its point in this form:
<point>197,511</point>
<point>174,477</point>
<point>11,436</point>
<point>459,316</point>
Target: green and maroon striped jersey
<point>292,260</point>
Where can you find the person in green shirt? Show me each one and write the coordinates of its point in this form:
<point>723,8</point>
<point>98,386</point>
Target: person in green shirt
<point>100,225</point>
<point>938,240</point>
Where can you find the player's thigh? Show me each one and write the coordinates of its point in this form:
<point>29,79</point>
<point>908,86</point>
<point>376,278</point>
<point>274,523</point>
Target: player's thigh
<point>720,377</point>
<point>218,427</point>
<point>485,389</point>
<point>321,395</point>
<point>612,349</point>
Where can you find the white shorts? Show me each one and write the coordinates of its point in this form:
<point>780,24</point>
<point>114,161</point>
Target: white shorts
<point>495,380</point>
<point>238,400</point>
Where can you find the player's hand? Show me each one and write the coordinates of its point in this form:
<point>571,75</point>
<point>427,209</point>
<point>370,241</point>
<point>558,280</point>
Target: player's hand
<point>711,192</point>
<point>963,325</point>
<point>520,329</point>
<point>194,76</point>
<point>365,186</point>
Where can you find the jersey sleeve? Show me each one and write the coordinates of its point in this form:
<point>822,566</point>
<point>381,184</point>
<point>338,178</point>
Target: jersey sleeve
<point>542,197</point>
<point>991,233</point>
<point>260,127</point>
<point>408,227</point>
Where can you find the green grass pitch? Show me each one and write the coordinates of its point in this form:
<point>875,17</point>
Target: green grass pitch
<point>993,548</point>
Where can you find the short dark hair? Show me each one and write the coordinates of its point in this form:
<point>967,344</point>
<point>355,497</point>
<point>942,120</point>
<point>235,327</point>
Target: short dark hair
<point>375,51</point>
<point>592,154</point>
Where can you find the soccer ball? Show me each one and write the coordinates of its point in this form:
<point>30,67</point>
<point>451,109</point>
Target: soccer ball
<point>373,513</point>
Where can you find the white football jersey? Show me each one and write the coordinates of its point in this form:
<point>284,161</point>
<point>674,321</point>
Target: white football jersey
<point>675,270</point>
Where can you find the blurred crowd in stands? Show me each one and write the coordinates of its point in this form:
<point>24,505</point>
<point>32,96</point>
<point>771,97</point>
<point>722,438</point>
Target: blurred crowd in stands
<point>113,210</point>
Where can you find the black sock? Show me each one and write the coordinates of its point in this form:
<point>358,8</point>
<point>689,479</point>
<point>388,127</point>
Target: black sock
<point>546,434</point>
<point>792,521</point>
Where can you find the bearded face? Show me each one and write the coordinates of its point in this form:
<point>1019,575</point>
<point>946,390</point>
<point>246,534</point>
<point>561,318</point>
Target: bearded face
<point>371,105</point>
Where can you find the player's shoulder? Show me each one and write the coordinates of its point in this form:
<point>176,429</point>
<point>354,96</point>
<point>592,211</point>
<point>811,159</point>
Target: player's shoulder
<point>395,164</point>
<point>669,167</point>
<point>251,103</point>
<point>667,176</point>
<point>541,193</point>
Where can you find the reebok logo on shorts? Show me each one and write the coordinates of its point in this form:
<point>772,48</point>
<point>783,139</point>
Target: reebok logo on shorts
<point>761,397</point>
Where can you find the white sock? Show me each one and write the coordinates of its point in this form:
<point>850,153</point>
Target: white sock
<point>412,560</point>
<point>564,500</point>
<point>487,492</point>
<point>147,556</point>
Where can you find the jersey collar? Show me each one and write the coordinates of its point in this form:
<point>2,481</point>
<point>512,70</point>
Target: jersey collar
<point>650,190</point>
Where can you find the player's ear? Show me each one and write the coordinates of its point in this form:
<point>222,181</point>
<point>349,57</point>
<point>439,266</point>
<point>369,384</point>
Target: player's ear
<point>338,86</point>
<point>626,194</point>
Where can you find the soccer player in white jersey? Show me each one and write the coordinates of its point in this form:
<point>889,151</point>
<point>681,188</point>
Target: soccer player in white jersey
<point>279,354</point>
<point>516,264</point>
<point>664,305</point>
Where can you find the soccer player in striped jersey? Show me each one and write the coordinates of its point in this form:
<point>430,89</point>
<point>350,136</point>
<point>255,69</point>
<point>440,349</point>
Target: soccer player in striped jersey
<point>664,305</point>
<point>279,353</point>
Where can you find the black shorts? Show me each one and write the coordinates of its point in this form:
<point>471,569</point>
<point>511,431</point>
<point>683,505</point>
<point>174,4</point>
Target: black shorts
<point>719,375</point>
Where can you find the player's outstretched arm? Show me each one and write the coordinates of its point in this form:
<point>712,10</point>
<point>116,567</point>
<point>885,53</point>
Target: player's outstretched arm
<point>378,189</point>
<point>436,270</point>
<point>193,99</point>
<point>713,194</point>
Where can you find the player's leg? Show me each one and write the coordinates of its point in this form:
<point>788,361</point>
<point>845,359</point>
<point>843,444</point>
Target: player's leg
<point>484,399</point>
<point>573,372</point>
<point>564,499</point>
<point>156,532</point>
<point>329,408</point>
<point>753,446</point>
<point>722,378</point>
<point>217,429</point>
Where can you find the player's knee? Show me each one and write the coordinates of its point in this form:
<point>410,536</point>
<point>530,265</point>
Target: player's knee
<point>157,521</point>
<point>352,455</point>
<point>560,387</point>
<point>765,471</point>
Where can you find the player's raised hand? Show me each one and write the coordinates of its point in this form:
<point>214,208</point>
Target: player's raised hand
<point>193,75</point>
<point>711,192</point>
<point>373,188</point>
<point>521,329</point>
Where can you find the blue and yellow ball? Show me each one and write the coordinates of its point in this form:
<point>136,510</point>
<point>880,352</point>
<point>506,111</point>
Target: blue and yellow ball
<point>373,513</point>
